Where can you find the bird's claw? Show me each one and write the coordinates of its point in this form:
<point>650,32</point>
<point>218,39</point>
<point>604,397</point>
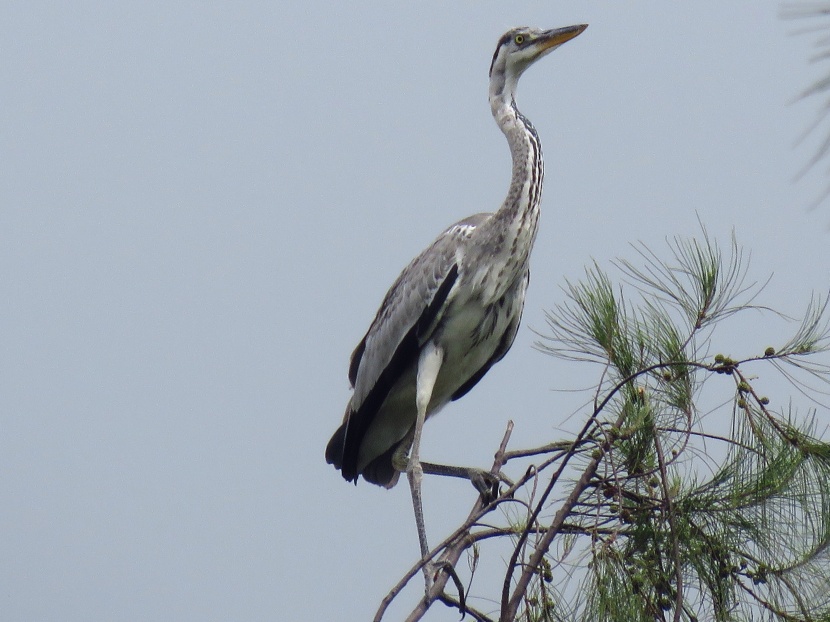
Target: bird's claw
<point>487,484</point>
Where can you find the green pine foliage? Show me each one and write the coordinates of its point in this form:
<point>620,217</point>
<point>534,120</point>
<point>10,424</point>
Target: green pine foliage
<point>682,521</point>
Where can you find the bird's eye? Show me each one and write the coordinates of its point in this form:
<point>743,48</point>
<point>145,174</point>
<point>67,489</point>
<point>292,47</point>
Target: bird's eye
<point>519,39</point>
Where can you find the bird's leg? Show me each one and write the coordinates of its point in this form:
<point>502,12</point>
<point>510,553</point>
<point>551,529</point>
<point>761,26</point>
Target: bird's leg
<point>429,364</point>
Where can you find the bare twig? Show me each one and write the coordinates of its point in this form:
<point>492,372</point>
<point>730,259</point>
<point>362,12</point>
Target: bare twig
<point>453,547</point>
<point>669,509</point>
<point>474,613</point>
<point>558,447</point>
<point>510,606</point>
<point>510,602</point>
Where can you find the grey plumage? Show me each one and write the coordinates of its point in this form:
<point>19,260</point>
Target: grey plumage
<point>463,296</point>
<point>419,307</point>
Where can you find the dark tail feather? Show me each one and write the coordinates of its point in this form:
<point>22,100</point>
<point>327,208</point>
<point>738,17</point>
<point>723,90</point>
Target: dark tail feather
<point>334,450</point>
<point>379,471</point>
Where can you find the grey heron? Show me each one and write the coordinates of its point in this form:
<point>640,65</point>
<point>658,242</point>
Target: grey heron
<point>455,309</point>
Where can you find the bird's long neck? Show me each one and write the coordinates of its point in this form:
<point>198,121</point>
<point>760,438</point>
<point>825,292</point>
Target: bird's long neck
<point>518,217</point>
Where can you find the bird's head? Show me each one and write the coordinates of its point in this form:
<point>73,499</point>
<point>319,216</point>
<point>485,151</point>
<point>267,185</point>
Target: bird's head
<point>519,48</point>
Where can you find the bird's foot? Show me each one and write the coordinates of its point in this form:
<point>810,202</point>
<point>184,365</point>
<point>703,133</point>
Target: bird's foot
<point>486,483</point>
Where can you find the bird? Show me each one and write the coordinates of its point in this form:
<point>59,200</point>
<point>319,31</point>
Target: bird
<point>455,310</point>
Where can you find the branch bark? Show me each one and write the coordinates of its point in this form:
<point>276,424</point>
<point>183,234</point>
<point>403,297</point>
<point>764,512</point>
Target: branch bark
<point>453,547</point>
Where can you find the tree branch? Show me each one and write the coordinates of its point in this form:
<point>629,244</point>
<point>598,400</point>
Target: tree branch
<point>453,547</point>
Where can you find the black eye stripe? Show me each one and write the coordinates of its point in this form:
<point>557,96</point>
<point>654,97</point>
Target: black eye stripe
<point>505,39</point>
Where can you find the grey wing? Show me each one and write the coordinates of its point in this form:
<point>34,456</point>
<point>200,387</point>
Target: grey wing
<point>415,301</point>
<point>410,310</point>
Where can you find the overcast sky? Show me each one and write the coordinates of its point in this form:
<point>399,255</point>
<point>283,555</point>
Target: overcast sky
<point>202,204</point>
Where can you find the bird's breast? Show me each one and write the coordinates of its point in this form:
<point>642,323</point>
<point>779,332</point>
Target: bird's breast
<point>469,335</point>
<point>497,256</point>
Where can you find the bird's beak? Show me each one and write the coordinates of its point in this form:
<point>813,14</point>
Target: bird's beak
<point>556,37</point>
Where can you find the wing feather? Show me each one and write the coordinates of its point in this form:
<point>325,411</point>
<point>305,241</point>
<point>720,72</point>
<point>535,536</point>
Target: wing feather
<point>413,295</point>
<point>404,322</point>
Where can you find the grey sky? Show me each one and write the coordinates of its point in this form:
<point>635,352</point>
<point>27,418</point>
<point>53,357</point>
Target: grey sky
<point>202,204</point>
